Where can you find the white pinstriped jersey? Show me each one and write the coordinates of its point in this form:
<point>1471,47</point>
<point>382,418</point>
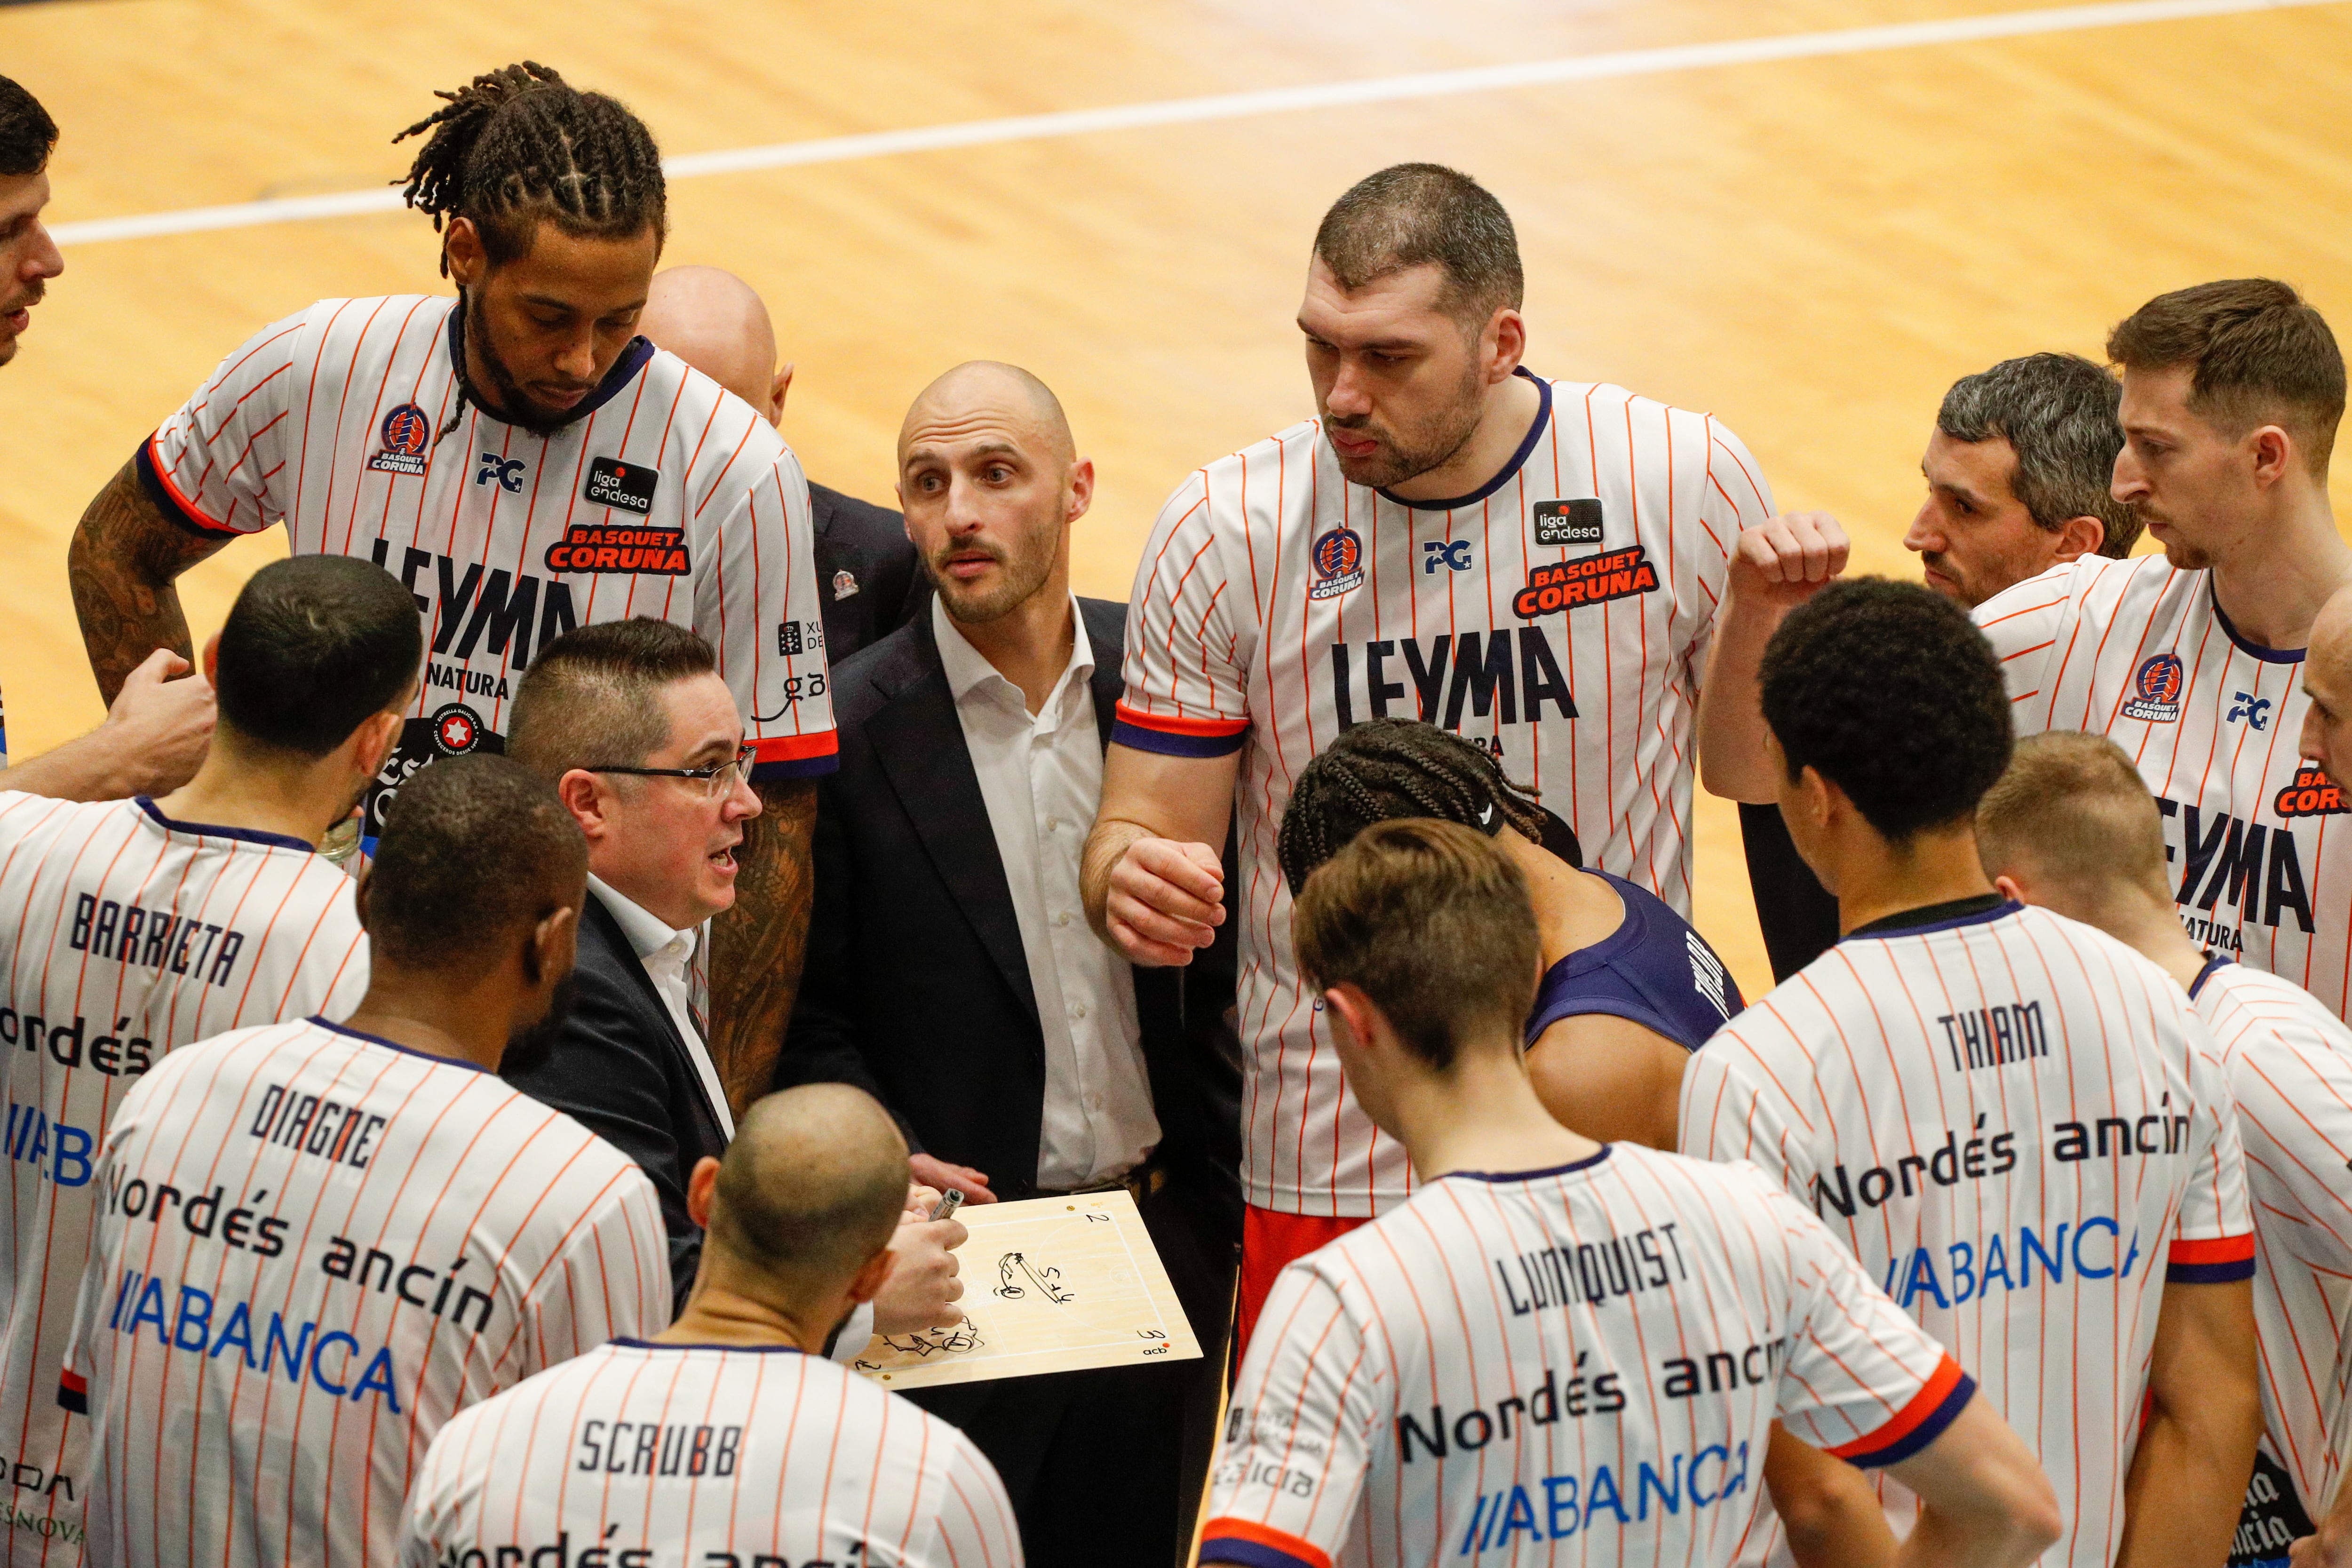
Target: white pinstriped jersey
<point>665,497</point>
<point>1577,1365</point>
<point>122,935</point>
<point>707,1456</point>
<point>1560,617</point>
<point>2140,653</point>
<point>2289,1061</point>
<point>385,1239</point>
<point>2012,1120</point>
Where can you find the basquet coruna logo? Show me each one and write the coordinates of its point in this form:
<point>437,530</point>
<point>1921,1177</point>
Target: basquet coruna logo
<point>1338,558</point>
<point>407,434</point>
<point>2155,690</point>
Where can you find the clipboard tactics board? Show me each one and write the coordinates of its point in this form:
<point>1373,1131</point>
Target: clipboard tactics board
<point>1050,1285</point>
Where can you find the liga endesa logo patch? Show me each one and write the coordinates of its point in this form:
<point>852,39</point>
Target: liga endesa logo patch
<point>2310,794</point>
<point>1567,586</point>
<point>595,547</point>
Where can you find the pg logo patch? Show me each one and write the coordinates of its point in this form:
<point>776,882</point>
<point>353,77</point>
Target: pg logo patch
<point>2155,690</point>
<point>1567,521</point>
<point>628,487</point>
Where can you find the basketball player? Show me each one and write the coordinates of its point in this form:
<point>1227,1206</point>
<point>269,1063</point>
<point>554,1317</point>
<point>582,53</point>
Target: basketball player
<point>867,574</point>
<point>1629,989</point>
<point>1534,564</point>
<point>389,1232</point>
<point>2071,827</point>
<point>523,462</point>
<point>2016,1122</point>
<point>2017,468</point>
<point>728,1437</point>
<point>156,732</point>
<point>1557,1351</point>
<point>136,926</point>
<point>2232,395</point>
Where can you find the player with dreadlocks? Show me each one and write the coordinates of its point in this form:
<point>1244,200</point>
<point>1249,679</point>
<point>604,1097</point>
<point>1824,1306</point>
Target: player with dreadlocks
<point>1629,989</point>
<point>524,463</point>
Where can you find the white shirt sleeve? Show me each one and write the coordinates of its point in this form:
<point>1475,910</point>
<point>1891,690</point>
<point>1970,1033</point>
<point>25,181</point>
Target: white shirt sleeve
<point>215,465</point>
<point>855,1334</point>
<point>2029,625</point>
<point>760,609</point>
<point>1186,693</point>
<point>611,1281</point>
<point>976,1528</point>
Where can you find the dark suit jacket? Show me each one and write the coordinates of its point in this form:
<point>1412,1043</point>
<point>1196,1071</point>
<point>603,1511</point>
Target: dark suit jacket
<point>621,1071</point>
<point>886,584</point>
<point>916,988</point>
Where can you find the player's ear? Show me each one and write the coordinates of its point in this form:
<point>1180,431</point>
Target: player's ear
<point>776,391</point>
<point>2273,453</point>
<point>372,741</point>
<point>869,1281</point>
<point>2006,886</point>
<point>463,254</point>
<point>554,947</point>
<point>700,1188</point>
<point>583,797</point>
<point>1351,1014</point>
<point>1504,343</point>
<point>211,661</point>
<point>2078,537</point>
<point>1082,489</point>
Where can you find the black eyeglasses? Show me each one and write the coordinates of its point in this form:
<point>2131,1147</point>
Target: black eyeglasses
<point>716,780</point>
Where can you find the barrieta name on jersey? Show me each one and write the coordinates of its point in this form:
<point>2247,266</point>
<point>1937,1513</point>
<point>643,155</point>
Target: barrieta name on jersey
<point>1559,617</point>
<point>127,934</point>
<point>2022,1130</point>
<point>314,1249</point>
<point>705,1455</point>
<point>1580,1361</point>
<point>665,495</point>
<point>2140,652</point>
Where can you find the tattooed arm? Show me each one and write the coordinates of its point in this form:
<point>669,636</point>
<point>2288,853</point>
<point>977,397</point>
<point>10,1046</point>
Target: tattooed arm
<point>125,555</point>
<point>756,947</point>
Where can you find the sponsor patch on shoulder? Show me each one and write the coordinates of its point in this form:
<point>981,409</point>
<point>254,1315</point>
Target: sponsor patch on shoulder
<point>1566,586</point>
<point>1567,521</point>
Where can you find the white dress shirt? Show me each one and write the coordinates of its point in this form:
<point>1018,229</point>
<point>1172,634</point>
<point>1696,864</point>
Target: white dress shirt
<point>1041,779</point>
<point>667,955</point>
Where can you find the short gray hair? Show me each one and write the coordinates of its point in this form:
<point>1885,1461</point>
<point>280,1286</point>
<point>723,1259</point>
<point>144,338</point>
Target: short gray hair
<point>1412,214</point>
<point>2059,412</point>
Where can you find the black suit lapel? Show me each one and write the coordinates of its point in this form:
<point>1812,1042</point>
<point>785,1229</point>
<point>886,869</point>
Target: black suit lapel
<point>1106,628</point>
<point>919,742</point>
<point>595,918</point>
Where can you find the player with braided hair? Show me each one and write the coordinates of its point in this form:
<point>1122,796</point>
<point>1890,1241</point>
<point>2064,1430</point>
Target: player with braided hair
<point>524,462</point>
<point>1629,989</point>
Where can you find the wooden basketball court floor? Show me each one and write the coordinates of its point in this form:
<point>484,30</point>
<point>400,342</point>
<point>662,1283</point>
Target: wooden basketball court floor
<point>1806,215</point>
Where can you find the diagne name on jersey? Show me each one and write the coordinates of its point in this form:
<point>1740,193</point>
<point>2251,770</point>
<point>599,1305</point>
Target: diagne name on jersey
<point>313,1124</point>
<point>1487,672</point>
<point>1565,585</point>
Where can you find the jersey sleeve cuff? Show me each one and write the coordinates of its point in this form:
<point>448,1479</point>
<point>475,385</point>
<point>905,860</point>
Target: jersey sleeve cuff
<point>73,1392</point>
<point>2216,1261</point>
<point>170,502</point>
<point>1256,1546</point>
<point>795,757</point>
<point>1174,737</point>
<point>1918,1423</point>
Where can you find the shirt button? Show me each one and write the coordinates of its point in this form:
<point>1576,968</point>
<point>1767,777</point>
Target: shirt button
<point>1053,825</point>
<point>1062,919</point>
<point>1078,1009</point>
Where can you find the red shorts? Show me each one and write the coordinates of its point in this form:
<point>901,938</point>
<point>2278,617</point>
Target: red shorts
<point>1269,1240</point>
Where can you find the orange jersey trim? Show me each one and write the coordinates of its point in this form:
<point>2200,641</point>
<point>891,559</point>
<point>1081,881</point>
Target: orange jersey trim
<point>1246,1533</point>
<point>1929,1402</point>
<point>1171,725</point>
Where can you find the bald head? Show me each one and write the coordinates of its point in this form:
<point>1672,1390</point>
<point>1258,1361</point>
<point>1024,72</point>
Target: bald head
<point>716,322</point>
<point>809,1191</point>
<point>985,392</point>
<point>2327,738</point>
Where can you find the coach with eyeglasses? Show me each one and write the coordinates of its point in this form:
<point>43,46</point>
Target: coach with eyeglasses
<point>640,735</point>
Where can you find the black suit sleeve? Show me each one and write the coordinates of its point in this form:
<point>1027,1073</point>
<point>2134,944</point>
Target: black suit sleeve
<point>606,1074</point>
<point>821,1041</point>
<point>1797,914</point>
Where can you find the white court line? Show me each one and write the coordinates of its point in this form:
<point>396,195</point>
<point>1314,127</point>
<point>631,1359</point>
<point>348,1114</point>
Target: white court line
<point>1271,100</point>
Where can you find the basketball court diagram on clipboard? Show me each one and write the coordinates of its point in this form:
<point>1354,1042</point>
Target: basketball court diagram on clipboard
<point>1050,1285</point>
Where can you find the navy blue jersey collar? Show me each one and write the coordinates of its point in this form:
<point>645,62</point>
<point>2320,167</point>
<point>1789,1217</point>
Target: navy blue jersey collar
<point>1499,1176</point>
<point>395,1046</point>
<point>242,835</point>
<point>2212,963</point>
<point>1975,911</point>
<point>625,369</point>
<point>1541,423</point>
<point>2251,650</point>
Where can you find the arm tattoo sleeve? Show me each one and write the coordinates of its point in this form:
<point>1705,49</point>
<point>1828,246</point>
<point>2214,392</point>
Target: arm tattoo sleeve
<point>125,558</point>
<point>756,947</point>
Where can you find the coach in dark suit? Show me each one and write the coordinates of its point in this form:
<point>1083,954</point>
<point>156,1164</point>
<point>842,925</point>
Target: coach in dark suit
<point>952,972</point>
<point>639,734</point>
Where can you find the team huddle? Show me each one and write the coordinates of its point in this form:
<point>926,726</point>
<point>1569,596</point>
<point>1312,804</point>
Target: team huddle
<point>2012,1224</point>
